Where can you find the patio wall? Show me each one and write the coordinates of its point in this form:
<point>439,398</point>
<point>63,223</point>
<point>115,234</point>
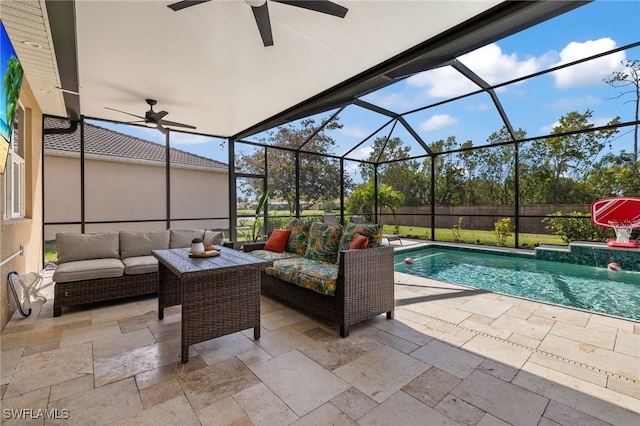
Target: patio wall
<point>25,232</point>
<point>132,190</point>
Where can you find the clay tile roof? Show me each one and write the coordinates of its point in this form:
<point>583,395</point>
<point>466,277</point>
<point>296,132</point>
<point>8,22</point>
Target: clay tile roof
<point>101,141</point>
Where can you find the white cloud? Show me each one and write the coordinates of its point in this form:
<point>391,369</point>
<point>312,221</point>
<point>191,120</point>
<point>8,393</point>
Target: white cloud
<point>353,131</point>
<point>489,62</point>
<point>479,107</point>
<point>589,73</point>
<point>437,121</point>
<point>575,103</point>
<point>549,128</point>
<point>361,153</point>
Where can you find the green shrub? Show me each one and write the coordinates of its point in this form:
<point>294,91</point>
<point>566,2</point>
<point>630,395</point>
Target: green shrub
<point>456,230</point>
<point>503,229</point>
<point>578,227</point>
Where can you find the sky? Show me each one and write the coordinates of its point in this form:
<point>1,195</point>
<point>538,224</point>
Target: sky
<point>534,105</point>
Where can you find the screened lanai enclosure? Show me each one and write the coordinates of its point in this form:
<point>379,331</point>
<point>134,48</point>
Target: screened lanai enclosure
<point>499,135</point>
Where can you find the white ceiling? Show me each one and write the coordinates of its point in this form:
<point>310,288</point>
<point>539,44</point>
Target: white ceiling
<point>206,65</point>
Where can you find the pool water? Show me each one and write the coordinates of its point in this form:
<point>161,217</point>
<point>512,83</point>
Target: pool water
<point>585,287</point>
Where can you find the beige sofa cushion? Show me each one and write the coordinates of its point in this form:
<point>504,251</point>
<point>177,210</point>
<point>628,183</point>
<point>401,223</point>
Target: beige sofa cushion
<point>183,237</point>
<point>213,237</point>
<point>141,243</point>
<point>73,246</point>
<point>88,269</point>
<point>140,265</point>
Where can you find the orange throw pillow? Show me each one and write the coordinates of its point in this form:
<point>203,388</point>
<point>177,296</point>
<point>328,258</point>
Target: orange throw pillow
<point>278,240</point>
<point>359,242</point>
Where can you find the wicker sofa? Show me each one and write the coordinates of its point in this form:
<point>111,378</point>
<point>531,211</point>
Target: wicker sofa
<point>362,280</point>
<point>114,265</point>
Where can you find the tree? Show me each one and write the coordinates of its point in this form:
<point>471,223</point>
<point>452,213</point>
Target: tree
<point>319,175</point>
<point>400,175</point>
<point>629,82</point>
<point>564,160</point>
<point>362,199</point>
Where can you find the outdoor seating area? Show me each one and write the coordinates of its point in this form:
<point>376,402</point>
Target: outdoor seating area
<point>452,355</point>
<point>114,265</point>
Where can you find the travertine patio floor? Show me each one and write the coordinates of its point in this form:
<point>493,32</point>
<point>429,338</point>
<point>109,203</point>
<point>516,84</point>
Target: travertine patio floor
<point>451,356</point>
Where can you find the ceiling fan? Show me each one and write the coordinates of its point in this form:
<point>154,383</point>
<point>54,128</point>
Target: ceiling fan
<point>261,11</point>
<point>155,117</point>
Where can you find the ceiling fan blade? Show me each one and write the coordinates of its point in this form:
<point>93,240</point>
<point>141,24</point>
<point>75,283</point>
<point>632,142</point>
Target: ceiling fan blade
<point>174,124</point>
<point>184,4</point>
<point>155,116</point>
<point>261,13</point>
<point>322,6</point>
<point>124,112</point>
<point>162,129</point>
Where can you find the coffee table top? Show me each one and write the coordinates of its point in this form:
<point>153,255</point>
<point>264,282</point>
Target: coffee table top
<point>179,262</point>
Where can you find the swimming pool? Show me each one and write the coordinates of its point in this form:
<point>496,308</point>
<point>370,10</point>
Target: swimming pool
<point>585,287</point>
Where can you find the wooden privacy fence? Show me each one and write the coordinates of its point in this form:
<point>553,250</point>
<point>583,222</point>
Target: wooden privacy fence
<point>478,217</point>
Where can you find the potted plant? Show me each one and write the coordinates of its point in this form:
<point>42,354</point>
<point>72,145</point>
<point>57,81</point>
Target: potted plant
<point>197,246</point>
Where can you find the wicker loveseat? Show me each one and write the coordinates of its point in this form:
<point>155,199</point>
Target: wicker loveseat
<point>114,265</point>
<point>353,286</point>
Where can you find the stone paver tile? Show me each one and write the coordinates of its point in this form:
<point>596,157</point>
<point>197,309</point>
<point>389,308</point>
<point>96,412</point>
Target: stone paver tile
<point>614,362</point>
<point>105,405</point>
<point>590,336</point>
<point>486,329</point>
<point>207,385</point>
<point>558,313</point>
<point>9,360</point>
<point>457,336</point>
<point>41,347</point>
<point>489,420</point>
<point>281,318</point>
<point>400,329</point>
<point>484,306</point>
<point>160,393</point>
<point>391,340</point>
<point>381,373</point>
<point>594,400</point>
<point>48,368</point>
<point>137,322</point>
<point>507,353</point>
<point>459,410</point>
<point>263,406</point>
<point>524,327</point>
<point>325,415</point>
<point>576,370</point>
<point>113,344</point>
<point>224,347</point>
<point>354,403</point>
<point>401,409</point>
<point>624,386</point>
<point>169,371</point>
<point>628,343</point>
<point>445,313</point>
<point>222,413</point>
<point>34,400</point>
<point>498,369</point>
<point>526,341</point>
<point>455,361</point>
<point>547,422</point>
<point>504,400</point>
<point>334,353</point>
<point>482,319</point>
<point>431,386</point>
<point>286,375</point>
<point>71,387</point>
<point>90,333</point>
<point>522,311</point>
<point>175,411</point>
<point>604,322</point>
<point>564,415</point>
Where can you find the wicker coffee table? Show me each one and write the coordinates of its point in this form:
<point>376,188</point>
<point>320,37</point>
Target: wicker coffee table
<point>219,295</point>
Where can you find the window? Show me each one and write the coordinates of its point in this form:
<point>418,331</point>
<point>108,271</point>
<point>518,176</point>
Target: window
<point>15,171</point>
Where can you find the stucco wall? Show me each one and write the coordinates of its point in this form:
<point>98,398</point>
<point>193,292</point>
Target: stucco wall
<point>24,232</point>
<point>130,191</point>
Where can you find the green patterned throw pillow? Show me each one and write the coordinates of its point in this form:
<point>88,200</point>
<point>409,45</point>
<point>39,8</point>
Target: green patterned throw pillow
<point>373,231</point>
<point>324,241</point>
<point>299,235</point>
